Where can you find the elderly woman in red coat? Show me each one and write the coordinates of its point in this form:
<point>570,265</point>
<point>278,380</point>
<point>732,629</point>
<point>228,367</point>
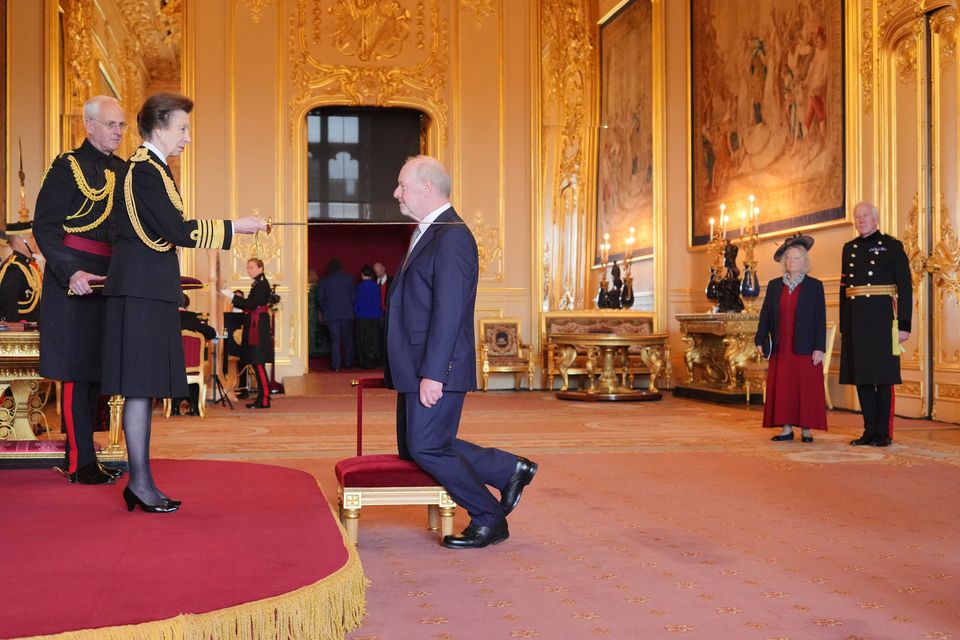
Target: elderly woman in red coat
<point>792,331</point>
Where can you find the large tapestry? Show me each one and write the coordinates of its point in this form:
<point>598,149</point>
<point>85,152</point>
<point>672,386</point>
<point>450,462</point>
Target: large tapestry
<point>767,91</point>
<point>625,145</point>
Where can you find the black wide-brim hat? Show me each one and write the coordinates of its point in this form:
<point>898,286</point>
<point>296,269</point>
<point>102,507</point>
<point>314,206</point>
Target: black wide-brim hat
<point>796,240</point>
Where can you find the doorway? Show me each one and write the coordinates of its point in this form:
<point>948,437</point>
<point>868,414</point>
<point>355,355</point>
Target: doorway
<point>353,157</point>
<point>922,185</point>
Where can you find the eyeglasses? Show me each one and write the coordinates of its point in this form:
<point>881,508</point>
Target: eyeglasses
<point>113,124</point>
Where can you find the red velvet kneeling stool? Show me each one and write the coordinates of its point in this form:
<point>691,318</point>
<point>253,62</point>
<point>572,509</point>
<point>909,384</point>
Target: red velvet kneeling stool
<point>385,479</point>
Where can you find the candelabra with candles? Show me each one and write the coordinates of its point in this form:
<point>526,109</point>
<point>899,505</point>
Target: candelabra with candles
<point>626,293</point>
<point>749,234</point>
<point>721,249</point>
<point>602,302</point>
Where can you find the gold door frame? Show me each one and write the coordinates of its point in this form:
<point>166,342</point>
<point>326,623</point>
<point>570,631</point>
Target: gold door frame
<point>930,240</point>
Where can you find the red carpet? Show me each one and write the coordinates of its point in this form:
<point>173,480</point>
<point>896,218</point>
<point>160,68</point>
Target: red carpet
<point>75,559</point>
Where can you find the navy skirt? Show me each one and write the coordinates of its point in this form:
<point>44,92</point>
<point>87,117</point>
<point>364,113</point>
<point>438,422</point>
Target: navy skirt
<point>142,351</point>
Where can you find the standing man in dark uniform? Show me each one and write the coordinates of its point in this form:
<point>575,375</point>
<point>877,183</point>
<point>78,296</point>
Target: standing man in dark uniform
<point>20,277</point>
<point>876,304</point>
<point>431,359</point>
<point>257,332</point>
<point>77,195</point>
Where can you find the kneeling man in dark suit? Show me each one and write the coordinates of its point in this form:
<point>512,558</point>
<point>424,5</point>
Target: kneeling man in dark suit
<point>431,358</point>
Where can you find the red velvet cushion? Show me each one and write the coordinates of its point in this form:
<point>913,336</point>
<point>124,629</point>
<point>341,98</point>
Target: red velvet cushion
<point>191,351</point>
<point>385,470</point>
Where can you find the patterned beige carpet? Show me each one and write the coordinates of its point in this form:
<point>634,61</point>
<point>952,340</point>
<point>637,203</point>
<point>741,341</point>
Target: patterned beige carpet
<point>647,520</point>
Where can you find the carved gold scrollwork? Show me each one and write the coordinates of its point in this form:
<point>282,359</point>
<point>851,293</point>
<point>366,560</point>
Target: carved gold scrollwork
<point>420,83</point>
<point>483,8</point>
<point>907,56</point>
<point>867,55</point>
<point>911,245</point>
<point>370,29</point>
<point>944,23</point>
<point>567,72</point>
<point>489,248</point>
<point>738,351</point>
<point>256,7</point>
<point>944,260</point>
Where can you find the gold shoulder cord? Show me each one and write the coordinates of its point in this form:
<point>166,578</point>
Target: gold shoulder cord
<point>92,195</point>
<point>139,156</point>
<point>34,284</point>
<point>28,305</point>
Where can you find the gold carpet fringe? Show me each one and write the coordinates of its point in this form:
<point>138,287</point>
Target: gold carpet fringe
<point>324,610</point>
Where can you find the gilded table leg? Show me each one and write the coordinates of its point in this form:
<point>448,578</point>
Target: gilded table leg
<point>116,424</point>
<point>565,357</point>
<point>22,391</point>
<point>652,357</point>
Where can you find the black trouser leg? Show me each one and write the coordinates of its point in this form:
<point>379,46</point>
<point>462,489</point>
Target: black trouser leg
<point>867,394</point>
<point>263,386</point>
<point>79,411</point>
<point>884,428</point>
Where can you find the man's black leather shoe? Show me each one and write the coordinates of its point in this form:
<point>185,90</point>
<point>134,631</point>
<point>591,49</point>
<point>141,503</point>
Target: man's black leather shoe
<point>862,441</point>
<point>522,476</point>
<point>474,537</point>
<point>782,437</point>
<point>882,442</point>
<point>257,405</point>
<point>90,474</point>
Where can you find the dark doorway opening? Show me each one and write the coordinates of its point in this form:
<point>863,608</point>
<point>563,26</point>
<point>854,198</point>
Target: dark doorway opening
<point>353,157</point>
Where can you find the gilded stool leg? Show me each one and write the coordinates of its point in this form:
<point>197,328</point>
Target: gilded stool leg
<point>446,520</point>
<point>351,522</point>
<point>433,517</point>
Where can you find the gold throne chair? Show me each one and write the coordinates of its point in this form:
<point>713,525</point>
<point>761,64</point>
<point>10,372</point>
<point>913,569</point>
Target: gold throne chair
<point>503,351</point>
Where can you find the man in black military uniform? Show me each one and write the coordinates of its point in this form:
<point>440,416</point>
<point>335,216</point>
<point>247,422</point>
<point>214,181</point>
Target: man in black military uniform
<point>20,277</point>
<point>77,194</point>
<point>876,304</point>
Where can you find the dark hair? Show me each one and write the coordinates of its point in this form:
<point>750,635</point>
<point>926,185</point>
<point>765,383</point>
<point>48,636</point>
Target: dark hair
<point>258,261</point>
<point>367,271</point>
<point>155,112</point>
<point>334,265</point>
<point>185,303</point>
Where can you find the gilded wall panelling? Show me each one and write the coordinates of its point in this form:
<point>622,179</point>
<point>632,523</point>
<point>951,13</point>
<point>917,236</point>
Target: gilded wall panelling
<point>256,7</point>
<point>489,245</point>
<point>418,79</point>
<point>566,50</point>
<point>482,9</point>
<point>478,138</point>
<point>370,29</point>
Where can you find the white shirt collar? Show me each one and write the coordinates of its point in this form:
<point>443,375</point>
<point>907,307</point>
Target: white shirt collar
<point>153,147</point>
<point>433,215</point>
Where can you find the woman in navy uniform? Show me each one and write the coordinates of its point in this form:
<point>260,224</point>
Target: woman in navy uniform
<point>143,291</point>
<point>257,330</point>
<point>78,194</point>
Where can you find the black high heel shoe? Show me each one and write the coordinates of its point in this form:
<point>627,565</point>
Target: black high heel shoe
<point>132,500</point>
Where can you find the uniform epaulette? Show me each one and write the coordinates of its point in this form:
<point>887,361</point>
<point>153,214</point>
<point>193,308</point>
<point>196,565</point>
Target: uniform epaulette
<point>141,155</point>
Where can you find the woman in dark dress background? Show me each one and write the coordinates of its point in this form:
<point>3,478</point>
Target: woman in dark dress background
<point>257,332</point>
<point>793,325</point>
<point>143,356</point>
